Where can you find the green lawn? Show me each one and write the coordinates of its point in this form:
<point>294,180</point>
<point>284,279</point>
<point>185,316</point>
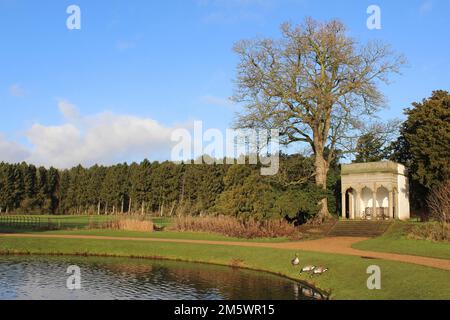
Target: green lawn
<point>148,235</point>
<point>82,221</point>
<point>345,280</point>
<point>77,225</point>
<point>395,241</point>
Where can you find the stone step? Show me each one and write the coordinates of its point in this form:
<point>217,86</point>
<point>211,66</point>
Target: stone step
<point>359,228</point>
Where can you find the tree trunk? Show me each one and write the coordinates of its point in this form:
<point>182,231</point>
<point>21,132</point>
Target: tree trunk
<point>321,170</point>
<point>173,208</point>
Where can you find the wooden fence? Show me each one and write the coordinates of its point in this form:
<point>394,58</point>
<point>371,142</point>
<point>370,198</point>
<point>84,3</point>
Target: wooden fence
<point>25,222</point>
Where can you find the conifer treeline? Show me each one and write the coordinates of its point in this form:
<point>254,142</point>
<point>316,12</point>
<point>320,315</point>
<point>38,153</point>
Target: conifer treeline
<point>166,188</point>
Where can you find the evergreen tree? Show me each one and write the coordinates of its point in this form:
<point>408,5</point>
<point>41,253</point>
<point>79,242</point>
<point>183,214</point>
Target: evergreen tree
<point>370,148</point>
<point>29,191</point>
<point>423,145</point>
<point>424,140</point>
<point>66,197</point>
<point>7,185</point>
<point>53,184</point>
<point>19,189</point>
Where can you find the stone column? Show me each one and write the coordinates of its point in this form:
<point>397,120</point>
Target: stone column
<point>395,202</point>
<point>358,203</point>
<point>374,204</point>
<point>391,204</point>
<point>351,206</point>
<point>344,191</point>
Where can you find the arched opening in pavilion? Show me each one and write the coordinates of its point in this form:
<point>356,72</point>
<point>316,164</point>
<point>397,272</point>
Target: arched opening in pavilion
<point>374,191</point>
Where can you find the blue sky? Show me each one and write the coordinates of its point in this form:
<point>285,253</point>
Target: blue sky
<point>141,68</point>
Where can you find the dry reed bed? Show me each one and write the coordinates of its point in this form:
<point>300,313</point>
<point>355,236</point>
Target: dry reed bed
<point>432,231</point>
<point>125,224</point>
<point>238,228</point>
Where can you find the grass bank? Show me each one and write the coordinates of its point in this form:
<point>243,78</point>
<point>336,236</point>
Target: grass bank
<point>345,280</point>
<point>83,221</point>
<point>79,225</point>
<point>145,235</point>
<point>395,241</point>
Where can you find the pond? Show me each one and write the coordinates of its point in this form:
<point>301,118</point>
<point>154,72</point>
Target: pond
<point>45,278</point>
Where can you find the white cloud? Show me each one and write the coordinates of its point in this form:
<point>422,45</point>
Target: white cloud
<point>105,138</point>
<point>217,101</point>
<point>11,151</point>
<point>17,91</point>
<point>68,110</point>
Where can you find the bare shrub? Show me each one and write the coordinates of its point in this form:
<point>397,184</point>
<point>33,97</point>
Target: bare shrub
<point>438,202</point>
<point>233,227</point>
<point>184,208</point>
<point>125,224</point>
<point>432,231</point>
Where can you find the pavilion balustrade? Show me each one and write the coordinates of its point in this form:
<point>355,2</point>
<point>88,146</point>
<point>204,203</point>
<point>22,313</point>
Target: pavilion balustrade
<point>380,214</point>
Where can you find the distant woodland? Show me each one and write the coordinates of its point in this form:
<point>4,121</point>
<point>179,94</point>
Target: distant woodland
<point>166,189</point>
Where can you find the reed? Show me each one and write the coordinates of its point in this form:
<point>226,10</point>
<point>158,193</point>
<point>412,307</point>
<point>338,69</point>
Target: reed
<point>125,224</point>
<point>432,231</point>
<point>238,228</point>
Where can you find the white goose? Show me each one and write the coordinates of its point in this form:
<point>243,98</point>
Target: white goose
<point>296,260</point>
<point>320,270</point>
<point>308,269</point>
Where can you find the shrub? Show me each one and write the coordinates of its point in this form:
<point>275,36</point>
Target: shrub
<point>438,202</point>
<point>300,205</point>
<point>125,224</point>
<point>252,197</point>
<point>238,228</point>
<point>432,231</point>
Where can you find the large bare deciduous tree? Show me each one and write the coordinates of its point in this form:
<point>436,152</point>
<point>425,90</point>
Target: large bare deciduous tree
<point>315,84</point>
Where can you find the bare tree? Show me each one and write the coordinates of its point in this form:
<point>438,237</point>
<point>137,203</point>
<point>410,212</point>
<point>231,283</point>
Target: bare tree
<point>374,141</point>
<point>315,84</point>
<point>438,202</point>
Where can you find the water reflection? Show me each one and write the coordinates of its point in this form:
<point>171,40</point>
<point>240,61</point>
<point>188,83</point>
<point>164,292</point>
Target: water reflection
<point>131,279</point>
